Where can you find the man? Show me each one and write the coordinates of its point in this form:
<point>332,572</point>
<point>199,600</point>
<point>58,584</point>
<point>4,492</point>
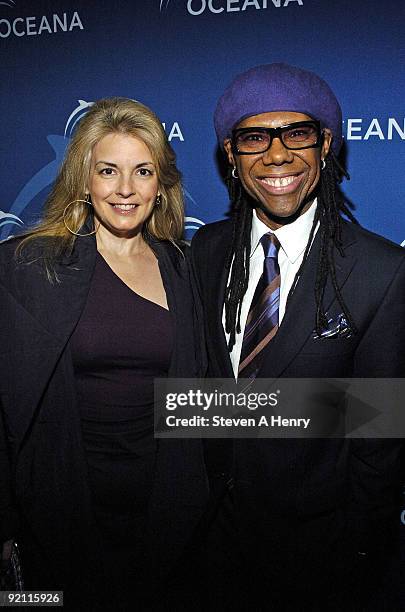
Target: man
<point>291,289</point>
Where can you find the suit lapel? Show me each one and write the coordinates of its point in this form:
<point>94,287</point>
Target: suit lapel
<point>218,276</point>
<point>299,320</point>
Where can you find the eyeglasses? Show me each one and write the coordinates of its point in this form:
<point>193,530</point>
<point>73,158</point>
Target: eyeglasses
<point>299,135</point>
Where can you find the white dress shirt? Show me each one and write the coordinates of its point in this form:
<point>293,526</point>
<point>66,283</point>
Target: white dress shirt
<point>293,239</point>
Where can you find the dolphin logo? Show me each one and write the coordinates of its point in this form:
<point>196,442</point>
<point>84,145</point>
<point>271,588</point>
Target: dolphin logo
<point>76,115</point>
<point>42,179</point>
<point>164,6</point>
<point>192,223</point>
<point>45,177</point>
<point>9,219</point>
<point>190,197</point>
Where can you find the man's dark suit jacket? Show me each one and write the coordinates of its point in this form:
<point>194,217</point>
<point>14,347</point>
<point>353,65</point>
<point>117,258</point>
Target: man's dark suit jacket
<point>304,509</point>
<point>43,486</point>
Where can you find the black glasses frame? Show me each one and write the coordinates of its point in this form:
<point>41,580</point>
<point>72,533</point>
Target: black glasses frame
<point>276,133</point>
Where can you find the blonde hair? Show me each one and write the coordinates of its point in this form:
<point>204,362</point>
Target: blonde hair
<point>107,116</point>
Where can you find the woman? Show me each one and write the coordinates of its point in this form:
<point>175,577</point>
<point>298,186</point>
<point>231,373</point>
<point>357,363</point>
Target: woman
<point>96,303</point>
<point>291,289</point>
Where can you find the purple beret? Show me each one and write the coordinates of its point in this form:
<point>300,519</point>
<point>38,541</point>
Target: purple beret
<point>278,87</point>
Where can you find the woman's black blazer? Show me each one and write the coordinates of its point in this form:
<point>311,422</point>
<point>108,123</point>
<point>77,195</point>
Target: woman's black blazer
<point>43,483</point>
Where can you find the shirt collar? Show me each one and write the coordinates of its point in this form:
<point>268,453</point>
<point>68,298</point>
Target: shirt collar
<point>293,237</point>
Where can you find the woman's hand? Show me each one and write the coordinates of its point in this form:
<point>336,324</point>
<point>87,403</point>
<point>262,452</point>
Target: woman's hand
<point>6,552</point>
<point>7,575</point>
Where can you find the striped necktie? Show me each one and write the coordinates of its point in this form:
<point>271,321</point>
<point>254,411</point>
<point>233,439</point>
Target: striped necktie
<point>262,321</point>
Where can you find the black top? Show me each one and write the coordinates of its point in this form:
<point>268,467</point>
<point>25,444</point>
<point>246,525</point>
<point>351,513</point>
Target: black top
<point>120,344</point>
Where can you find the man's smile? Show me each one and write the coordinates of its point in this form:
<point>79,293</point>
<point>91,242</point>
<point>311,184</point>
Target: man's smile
<point>281,183</point>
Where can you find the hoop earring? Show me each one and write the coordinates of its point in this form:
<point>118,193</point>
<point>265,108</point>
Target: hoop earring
<point>85,201</point>
<point>323,164</point>
<point>234,173</point>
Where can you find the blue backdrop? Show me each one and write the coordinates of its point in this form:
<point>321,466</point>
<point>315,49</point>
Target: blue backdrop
<point>177,56</point>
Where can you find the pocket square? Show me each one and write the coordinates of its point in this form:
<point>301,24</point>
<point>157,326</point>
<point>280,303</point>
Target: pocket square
<point>337,328</point>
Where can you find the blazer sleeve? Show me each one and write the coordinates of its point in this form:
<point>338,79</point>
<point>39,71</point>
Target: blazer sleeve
<point>199,335</point>
<point>9,521</point>
<point>381,352</point>
<point>375,464</point>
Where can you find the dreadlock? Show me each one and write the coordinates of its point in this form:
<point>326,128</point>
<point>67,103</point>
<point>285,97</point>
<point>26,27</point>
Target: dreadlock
<point>331,205</point>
